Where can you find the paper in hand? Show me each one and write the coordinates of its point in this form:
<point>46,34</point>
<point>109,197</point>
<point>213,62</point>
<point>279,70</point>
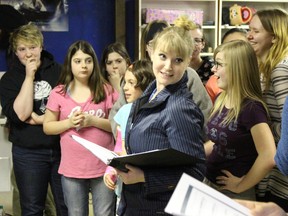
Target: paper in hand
<point>105,155</point>
<point>154,158</point>
<point>192,197</point>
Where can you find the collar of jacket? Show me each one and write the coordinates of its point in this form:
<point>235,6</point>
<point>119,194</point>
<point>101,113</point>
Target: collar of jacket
<point>162,96</point>
<point>142,102</point>
<point>165,93</point>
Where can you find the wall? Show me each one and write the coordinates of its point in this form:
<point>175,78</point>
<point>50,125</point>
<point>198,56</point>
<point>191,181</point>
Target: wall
<point>91,20</point>
<point>88,20</point>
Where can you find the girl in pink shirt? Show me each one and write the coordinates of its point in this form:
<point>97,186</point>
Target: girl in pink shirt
<point>80,105</point>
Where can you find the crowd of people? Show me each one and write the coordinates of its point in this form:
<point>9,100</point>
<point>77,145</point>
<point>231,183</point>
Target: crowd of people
<point>228,111</point>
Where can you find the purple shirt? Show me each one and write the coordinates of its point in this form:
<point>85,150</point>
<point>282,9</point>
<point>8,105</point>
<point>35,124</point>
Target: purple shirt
<point>234,148</point>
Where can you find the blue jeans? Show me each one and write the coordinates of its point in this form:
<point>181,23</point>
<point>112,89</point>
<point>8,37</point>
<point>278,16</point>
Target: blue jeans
<point>76,194</point>
<point>34,169</point>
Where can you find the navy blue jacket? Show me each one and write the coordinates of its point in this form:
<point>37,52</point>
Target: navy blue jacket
<point>171,120</point>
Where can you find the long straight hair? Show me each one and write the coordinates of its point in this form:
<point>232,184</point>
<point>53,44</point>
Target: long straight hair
<point>274,21</point>
<point>243,79</point>
<point>96,82</point>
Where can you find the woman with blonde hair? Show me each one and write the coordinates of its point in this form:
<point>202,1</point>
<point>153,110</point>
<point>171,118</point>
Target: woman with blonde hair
<point>201,64</point>
<point>165,116</point>
<point>200,96</point>
<point>232,34</point>
<point>241,148</point>
<point>268,36</point>
<point>195,83</point>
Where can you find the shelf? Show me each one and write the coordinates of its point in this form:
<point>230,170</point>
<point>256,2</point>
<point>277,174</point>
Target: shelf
<point>255,4</point>
<point>230,27</point>
<point>208,27</point>
<point>210,13</point>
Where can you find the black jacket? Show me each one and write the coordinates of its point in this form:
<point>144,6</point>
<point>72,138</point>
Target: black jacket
<point>46,77</point>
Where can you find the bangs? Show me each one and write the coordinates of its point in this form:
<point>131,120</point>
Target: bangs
<point>28,41</point>
<point>171,41</point>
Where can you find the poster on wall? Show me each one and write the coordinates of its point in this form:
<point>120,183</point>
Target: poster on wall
<point>48,15</point>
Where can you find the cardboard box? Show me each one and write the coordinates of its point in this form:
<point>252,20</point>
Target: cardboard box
<point>150,14</point>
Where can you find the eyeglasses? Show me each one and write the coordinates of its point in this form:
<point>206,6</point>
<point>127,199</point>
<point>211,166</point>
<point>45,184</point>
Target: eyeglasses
<point>217,64</point>
<point>198,40</point>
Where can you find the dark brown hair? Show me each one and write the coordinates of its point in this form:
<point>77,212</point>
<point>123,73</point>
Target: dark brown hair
<point>97,83</point>
<point>114,47</point>
<point>143,72</point>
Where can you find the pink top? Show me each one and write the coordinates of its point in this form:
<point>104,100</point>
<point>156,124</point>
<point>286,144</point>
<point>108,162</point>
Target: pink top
<point>117,149</point>
<point>212,88</point>
<point>76,161</point>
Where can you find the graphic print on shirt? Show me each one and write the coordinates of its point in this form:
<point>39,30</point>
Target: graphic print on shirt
<point>219,135</point>
<point>98,113</point>
<point>42,90</point>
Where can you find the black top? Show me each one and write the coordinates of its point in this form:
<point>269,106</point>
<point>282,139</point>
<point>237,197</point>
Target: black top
<point>46,78</point>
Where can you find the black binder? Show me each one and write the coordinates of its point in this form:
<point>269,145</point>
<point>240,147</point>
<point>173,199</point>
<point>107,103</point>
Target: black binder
<point>155,158</point>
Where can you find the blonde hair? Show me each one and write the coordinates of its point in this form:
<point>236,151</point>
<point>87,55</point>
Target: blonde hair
<point>174,38</point>
<point>183,21</point>
<point>274,21</point>
<point>243,79</point>
<point>29,34</point>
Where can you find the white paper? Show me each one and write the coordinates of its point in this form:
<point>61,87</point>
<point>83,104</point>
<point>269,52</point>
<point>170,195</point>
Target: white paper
<point>193,198</point>
<point>105,155</point>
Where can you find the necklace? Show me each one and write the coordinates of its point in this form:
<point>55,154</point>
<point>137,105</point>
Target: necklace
<point>153,95</point>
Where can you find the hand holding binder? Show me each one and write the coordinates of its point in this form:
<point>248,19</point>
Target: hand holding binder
<point>156,158</point>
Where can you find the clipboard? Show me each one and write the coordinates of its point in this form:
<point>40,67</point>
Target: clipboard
<point>154,158</point>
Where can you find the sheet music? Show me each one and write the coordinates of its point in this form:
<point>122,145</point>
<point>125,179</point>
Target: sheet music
<point>193,198</point>
<point>105,155</point>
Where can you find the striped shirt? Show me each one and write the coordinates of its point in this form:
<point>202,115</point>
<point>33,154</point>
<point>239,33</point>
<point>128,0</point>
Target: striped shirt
<point>275,96</point>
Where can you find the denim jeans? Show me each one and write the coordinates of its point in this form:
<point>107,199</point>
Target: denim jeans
<point>76,194</point>
<point>34,169</point>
